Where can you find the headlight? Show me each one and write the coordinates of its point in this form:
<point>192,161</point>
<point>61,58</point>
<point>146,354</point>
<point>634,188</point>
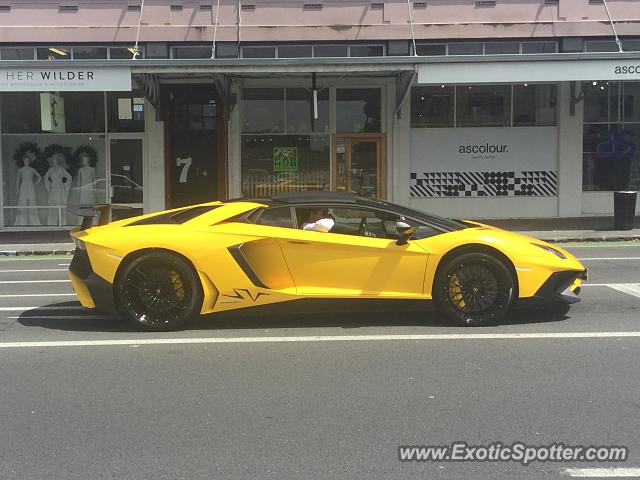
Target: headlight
<point>551,250</point>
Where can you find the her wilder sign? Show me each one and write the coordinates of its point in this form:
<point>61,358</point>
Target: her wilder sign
<point>65,79</point>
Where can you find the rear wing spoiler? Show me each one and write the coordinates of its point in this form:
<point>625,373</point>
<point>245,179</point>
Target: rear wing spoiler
<point>89,213</point>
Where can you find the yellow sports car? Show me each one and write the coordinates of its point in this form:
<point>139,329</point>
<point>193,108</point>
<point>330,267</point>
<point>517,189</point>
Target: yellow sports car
<point>163,269</point>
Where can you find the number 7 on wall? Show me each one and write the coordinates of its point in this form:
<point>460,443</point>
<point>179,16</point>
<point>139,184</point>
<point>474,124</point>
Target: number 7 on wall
<point>185,163</point>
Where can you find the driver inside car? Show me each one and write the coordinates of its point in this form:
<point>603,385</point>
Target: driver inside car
<point>319,220</point>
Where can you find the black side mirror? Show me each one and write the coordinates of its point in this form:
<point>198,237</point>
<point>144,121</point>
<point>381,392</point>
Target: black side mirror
<point>406,231</point>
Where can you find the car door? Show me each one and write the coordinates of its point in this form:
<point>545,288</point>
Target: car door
<point>349,262</point>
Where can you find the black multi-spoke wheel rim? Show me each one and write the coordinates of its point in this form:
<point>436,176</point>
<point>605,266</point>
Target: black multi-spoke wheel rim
<point>475,289</point>
<point>158,293</point>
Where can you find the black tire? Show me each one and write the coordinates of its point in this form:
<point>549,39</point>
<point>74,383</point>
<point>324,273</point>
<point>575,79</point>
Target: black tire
<point>159,292</point>
<point>474,289</point>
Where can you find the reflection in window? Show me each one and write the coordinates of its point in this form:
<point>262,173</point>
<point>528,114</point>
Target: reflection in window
<point>123,53</point>
<point>330,51</point>
<point>89,53</point>
<point>611,136</point>
<point>44,173</point>
<point>295,51</point>
<point>366,51</point>
<point>431,49</point>
<point>432,106</point>
<point>273,164</point>
<point>299,111</point>
<point>126,111</point>
<point>534,105</point>
<point>83,112</point>
<point>465,48</point>
<point>539,47</point>
<point>358,110</point>
<point>54,53</point>
<point>258,52</point>
<point>191,52</point>
<point>16,53</point>
<point>484,106</point>
<point>263,110</point>
<point>496,48</point>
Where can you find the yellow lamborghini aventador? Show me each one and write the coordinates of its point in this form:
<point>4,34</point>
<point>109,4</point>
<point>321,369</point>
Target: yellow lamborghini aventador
<point>163,269</point>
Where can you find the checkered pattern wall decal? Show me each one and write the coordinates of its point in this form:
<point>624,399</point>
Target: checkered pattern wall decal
<point>533,183</point>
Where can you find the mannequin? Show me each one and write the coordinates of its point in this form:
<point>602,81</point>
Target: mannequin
<point>27,180</point>
<point>57,181</point>
<point>86,181</point>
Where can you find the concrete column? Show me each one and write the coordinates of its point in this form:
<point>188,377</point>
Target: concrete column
<point>233,147</point>
<point>154,199</point>
<point>401,164</point>
<point>569,153</point>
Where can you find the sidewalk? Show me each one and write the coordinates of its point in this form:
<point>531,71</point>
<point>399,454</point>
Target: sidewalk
<point>580,229</point>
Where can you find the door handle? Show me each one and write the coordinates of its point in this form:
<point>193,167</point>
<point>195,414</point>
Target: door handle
<point>297,242</point>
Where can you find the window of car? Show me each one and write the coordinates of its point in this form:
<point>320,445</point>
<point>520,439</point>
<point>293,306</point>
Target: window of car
<point>275,217</point>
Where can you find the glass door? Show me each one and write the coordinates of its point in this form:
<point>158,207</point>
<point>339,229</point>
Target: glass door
<point>126,179</point>
<point>358,165</point>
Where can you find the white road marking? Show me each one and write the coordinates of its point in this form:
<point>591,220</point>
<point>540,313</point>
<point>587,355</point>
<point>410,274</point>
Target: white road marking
<point>631,244</point>
<point>65,317</point>
<point>586,259</point>
<point>39,270</point>
<point>602,472</point>
<point>18,295</point>
<point>38,308</point>
<point>35,281</point>
<point>318,338</point>
<point>64,264</point>
<point>630,288</point>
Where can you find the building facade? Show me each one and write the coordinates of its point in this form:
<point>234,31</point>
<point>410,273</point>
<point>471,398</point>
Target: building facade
<point>465,108</point>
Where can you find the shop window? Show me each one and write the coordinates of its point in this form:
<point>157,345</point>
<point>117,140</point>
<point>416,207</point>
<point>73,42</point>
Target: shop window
<point>299,111</point>
<point>263,110</point>
<point>330,51</point>
<point>295,51</point>
<point>258,52</point>
<point>539,47</point>
<point>611,136</point>
<point>53,53</point>
<point>273,164</point>
<point>358,110</point>
<point>366,51</point>
<point>497,48</point>
<point>600,101</point>
<point>432,106</point>
<point>83,112</point>
<point>89,53</point>
<point>484,106</point>
<point>431,49</point>
<point>465,48</point>
<point>16,53</point>
<point>534,105</point>
<point>125,111</point>
<point>43,174</point>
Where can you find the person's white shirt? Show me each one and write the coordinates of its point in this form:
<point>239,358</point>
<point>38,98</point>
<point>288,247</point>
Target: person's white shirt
<point>322,225</point>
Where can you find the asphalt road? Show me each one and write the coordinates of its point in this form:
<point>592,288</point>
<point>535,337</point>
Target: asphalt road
<point>314,390</point>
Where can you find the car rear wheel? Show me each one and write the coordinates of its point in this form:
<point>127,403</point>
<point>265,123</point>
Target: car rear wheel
<point>474,289</point>
<point>159,292</point>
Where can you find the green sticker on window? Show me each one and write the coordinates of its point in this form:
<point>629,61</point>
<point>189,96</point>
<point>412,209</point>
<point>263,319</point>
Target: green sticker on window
<point>285,159</point>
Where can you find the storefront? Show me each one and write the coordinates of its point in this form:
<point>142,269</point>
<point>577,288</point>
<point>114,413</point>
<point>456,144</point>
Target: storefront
<point>68,137</point>
<point>463,137</point>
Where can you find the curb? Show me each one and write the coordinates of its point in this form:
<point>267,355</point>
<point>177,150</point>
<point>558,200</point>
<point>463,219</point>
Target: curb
<point>31,253</point>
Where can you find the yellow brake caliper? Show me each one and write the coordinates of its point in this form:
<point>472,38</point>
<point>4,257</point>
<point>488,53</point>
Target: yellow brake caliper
<point>178,287</point>
<point>455,292</point>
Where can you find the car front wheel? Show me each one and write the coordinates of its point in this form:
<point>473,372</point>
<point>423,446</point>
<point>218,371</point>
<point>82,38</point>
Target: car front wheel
<point>474,289</point>
<point>159,292</point>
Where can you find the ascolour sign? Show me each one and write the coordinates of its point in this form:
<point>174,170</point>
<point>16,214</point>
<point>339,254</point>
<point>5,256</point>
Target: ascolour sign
<point>99,79</point>
<point>487,148</point>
